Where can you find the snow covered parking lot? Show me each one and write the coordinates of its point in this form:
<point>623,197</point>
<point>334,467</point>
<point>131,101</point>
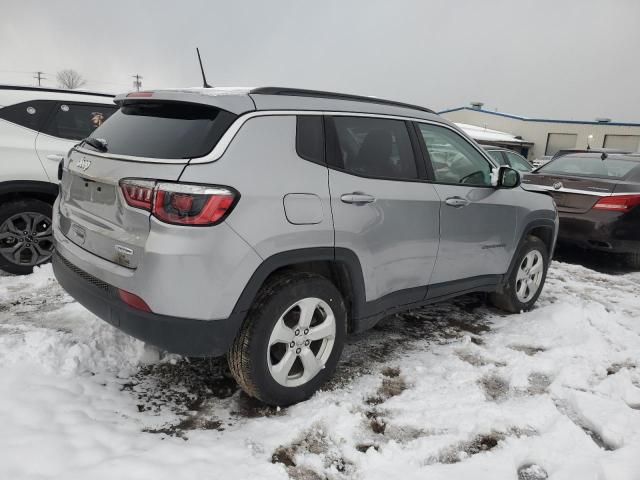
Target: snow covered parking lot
<point>455,390</point>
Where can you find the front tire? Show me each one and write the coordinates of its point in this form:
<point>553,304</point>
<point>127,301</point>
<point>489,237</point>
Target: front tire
<point>525,282</point>
<point>291,341</point>
<point>26,237</point>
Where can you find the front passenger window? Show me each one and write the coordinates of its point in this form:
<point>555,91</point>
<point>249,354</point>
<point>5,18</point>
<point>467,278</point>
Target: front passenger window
<point>453,158</point>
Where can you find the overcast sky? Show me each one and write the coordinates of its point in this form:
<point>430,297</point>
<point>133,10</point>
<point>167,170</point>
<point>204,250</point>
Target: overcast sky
<point>573,59</point>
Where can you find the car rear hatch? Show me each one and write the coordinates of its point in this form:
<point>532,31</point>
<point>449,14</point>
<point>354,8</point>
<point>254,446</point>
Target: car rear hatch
<point>571,194</point>
<point>93,212</point>
<point>150,139</point>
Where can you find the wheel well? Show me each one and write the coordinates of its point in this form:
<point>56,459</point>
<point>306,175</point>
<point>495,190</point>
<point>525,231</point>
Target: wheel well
<point>14,196</point>
<point>545,234</point>
<point>336,272</point>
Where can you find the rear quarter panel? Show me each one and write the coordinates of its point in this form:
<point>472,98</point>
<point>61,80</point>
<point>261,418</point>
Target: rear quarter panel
<point>262,164</point>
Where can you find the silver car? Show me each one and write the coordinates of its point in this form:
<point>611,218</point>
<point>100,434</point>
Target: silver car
<point>267,224</point>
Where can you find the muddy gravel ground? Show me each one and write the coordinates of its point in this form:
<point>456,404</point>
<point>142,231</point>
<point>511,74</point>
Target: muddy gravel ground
<point>191,387</point>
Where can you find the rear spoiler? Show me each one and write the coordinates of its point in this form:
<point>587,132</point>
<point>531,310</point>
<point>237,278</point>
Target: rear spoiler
<point>235,101</point>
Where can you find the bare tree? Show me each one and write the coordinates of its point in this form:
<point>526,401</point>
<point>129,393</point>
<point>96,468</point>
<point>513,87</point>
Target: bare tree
<point>70,79</point>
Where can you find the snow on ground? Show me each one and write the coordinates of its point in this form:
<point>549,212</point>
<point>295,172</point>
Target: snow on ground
<point>455,390</point>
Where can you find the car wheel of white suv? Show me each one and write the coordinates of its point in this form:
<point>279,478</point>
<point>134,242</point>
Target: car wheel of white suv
<point>26,237</point>
<point>291,340</point>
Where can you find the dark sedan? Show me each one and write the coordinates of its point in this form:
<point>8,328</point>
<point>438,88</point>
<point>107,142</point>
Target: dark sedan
<point>598,200</point>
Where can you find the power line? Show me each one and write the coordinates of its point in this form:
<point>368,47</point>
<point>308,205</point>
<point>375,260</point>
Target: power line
<point>16,71</point>
<point>89,80</point>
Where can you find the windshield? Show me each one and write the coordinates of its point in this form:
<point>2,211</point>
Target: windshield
<point>592,166</point>
<point>164,130</point>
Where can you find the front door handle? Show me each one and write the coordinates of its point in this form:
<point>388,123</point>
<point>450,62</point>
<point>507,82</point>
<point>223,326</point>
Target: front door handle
<point>55,157</point>
<point>457,202</point>
<point>357,198</point>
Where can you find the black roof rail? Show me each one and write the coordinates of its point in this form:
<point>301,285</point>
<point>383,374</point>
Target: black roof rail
<point>54,90</point>
<point>299,92</point>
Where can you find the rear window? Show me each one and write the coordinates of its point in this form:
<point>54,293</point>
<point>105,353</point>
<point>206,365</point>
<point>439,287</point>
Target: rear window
<point>591,166</point>
<point>164,130</point>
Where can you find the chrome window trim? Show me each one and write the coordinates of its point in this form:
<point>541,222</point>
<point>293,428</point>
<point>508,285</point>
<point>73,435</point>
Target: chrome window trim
<point>131,158</point>
<point>230,134</point>
<point>226,139</point>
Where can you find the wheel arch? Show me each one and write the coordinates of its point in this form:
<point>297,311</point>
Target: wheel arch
<point>340,265</point>
<point>544,229</point>
<point>544,233</point>
<point>28,189</point>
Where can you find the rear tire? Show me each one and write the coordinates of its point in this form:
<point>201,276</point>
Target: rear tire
<point>291,341</point>
<point>527,279</point>
<point>633,260</point>
<point>12,235</point>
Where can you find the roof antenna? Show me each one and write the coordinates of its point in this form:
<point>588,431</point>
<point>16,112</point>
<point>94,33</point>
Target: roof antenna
<point>204,78</point>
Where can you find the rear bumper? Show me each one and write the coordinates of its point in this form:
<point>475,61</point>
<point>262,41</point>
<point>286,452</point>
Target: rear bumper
<point>185,272</point>
<point>600,230</point>
<point>198,338</point>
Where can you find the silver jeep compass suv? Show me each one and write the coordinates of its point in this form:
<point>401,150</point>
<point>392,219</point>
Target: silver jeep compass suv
<point>267,224</point>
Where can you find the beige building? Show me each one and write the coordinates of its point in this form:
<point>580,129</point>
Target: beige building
<point>543,137</point>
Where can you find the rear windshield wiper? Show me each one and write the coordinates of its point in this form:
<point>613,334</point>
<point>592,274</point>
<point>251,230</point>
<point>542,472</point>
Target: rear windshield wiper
<point>98,143</point>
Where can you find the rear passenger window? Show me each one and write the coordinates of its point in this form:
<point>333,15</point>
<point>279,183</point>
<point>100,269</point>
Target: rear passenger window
<point>373,147</point>
<point>453,158</point>
<point>75,122</point>
<point>310,138</point>
<point>28,114</point>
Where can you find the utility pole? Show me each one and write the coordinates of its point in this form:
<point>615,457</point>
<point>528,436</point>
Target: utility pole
<point>137,83</point>
<point>38,76</point>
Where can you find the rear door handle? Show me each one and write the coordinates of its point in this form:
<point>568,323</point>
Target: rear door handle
<point>357,198</point>
<point>55,157</point>
<point>457,202</point>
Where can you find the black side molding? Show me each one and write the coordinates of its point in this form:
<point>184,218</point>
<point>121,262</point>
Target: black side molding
<point>547,224</point>
<point>364,314</point>
<point>293,257</point>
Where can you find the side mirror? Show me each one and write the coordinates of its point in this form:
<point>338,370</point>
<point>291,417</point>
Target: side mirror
<point>508,177</point>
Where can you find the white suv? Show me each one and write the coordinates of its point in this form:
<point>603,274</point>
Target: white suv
<point>38,126</point>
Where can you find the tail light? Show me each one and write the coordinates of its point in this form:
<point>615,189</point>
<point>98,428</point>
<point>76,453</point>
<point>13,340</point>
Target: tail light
<point>138,193</point>
<point>618,203</point>
<point>180,203</point>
